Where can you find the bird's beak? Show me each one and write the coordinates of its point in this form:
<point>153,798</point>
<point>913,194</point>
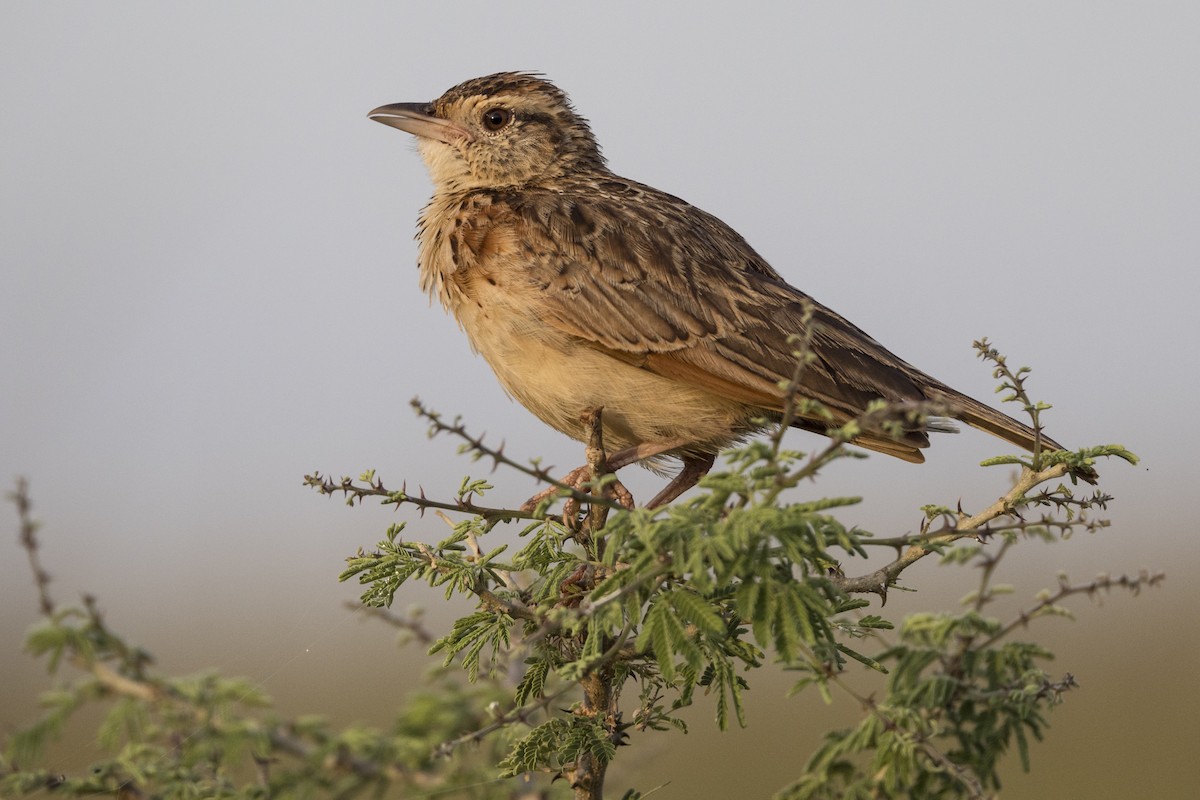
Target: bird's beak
<point>415,118</point>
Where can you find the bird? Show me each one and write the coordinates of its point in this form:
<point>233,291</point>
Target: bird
<point>585,290</point>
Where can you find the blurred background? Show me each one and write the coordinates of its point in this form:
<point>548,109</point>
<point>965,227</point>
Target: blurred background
<point>209,289</point>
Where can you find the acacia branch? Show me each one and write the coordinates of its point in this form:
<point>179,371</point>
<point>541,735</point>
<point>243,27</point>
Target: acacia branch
<point>476,446</point>
<point>409,623</point>
<point>349,488</point>
<point>29,543</point>
<point>520,714</point>
<point>968,781</point>
<point>1144,579</point>
<point>967,526</point>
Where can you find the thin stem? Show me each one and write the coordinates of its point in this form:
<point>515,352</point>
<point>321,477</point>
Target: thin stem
<point>967,526</point>
<point>1134,584</point>
<point>348,487</point>
<point>29,543</point>
<point>520,714</point>
<point>475,445</point>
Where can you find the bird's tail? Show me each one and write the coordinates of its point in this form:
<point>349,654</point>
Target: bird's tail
<point>988,419</point>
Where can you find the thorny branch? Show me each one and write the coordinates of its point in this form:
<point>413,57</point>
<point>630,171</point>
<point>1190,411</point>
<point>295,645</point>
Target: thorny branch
<point>967,526</point>
<point>1134,584</point>
<point>374,488</point>
<point>29,526</point>
<point>476,446</point>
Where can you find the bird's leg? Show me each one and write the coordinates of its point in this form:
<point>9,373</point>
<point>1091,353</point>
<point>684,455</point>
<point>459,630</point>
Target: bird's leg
<point>576,478</point>
<point>694,468</point>
<point>598,464</point>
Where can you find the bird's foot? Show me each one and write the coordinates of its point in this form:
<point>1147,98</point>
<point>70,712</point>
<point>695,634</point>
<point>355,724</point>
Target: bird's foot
<point>576,585</point>
<point>578,479</point>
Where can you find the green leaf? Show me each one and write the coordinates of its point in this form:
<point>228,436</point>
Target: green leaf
<point>533,682</point>
<point>693,608</point>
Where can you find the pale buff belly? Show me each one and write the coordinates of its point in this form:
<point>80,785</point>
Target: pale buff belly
<point>558,378</point>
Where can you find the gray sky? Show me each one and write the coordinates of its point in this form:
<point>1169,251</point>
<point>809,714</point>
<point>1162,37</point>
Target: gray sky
<point>209,282</point>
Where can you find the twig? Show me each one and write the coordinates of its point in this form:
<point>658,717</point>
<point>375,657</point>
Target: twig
<point>520,714</point>
<point>1088,524</point>
<point>348,487</point>
<point>29,543</point>
<point>967,526</point>
<point>409,623</point>
<point>1145,578</point>
<point>474,444</point>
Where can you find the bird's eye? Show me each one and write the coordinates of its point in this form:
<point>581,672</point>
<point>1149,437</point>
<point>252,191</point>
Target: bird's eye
<point>496,118</point>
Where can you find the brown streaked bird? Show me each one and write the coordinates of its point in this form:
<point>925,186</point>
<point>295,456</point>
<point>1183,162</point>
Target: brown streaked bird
<point>583,289</point>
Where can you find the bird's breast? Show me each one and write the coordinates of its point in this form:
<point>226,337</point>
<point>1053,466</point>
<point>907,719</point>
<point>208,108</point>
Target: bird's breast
<point>473,258</point>
<point>464,239</point>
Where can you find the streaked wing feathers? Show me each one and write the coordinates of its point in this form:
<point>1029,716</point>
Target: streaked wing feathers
<point>680,293</point>
<point>663,285</point>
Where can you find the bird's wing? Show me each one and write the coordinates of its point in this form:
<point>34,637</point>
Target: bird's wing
<point>663,285</point>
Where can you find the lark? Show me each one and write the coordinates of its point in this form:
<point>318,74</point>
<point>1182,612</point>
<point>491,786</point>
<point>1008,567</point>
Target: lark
<point>586,290</point>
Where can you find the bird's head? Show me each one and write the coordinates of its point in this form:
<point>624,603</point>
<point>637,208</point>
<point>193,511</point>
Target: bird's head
<point>501,131</point>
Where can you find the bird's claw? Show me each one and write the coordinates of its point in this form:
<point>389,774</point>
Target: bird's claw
<point>578,479</point>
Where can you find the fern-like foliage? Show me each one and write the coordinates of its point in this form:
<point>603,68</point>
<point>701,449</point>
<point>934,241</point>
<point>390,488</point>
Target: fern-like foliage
<point>605,618</point>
